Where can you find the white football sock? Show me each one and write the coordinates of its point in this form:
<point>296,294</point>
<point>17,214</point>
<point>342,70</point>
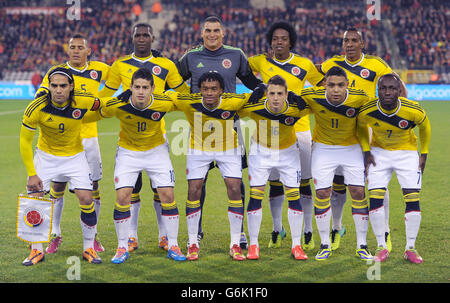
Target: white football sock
<point>386,211</point>
<point>192,226</point>
<point>171,223</point>
<point>295,219</point>
<point>58,207</point>
<point>361,226</point>
<point>134,210</point>
<point>254,219</point>
<point>412,225</point>
<point>377,221</point>
<point>323,226</point>
<point>122,231</point>
<point>236,221</point>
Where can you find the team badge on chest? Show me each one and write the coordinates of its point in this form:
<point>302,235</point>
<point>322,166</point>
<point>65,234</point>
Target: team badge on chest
<point>295,71</point>
<point>226,63</point>
<point>156,115</point>
<point>156,70</point>
<point>403,124</point>
<point>364,73</point>
<point>225,115</point>
<point>350,112</point>
<point>76,113</point>
<point>93,74</point>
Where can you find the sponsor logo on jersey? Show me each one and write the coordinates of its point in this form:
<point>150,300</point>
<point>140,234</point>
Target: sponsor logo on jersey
<point>289,121</point>
<point>225,115</point>
<point>200,65</point>
<point>156,70</point>
<point>76,113</point>
<point>295,71</point>
<point>93,74</point>
<point>364,73</point>
<point>226,63</point>
<point>350,112</point>
<point>33,217</point>
<point>156,115</point>
<point>403,124</point>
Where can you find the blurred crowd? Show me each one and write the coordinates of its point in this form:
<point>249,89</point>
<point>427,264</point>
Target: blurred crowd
<point>420,29</point>
<point>30,42</point>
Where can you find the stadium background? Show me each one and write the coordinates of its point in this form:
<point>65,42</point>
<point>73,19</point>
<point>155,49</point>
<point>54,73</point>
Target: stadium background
<point>410,35</point>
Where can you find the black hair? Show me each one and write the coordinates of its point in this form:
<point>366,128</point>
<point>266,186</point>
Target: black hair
<point>143,73</point>
<point>336,71</point>
<point>399,81</point>
<point>78,36</point>
<point>283,25</point>
<point>277,80</point>
<point>354,29</point>
<point>211,76</point>
<point>142,24</point>
<point>65,72</point>
<point>212,19</point>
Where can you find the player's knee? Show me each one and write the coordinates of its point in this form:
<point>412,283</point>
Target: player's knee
<point>276,189</point>
<point>166,196</point>
<point>194,191</point>
<point>234,189</point>
<point>357,192</point>
<point>85,197</point>
<point>323,193</point>
<point>58,186</point>
<point>123,196</point>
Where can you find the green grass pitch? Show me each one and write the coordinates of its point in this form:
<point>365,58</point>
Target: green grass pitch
<point>150,264</point>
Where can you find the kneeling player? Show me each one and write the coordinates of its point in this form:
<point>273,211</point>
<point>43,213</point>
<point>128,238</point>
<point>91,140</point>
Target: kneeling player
<point>274,148</point>
<point>142,146</point>
<point>59,154</point>
<point>394,149</point>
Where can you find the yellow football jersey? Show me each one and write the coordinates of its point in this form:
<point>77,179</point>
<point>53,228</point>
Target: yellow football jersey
<point>362,74</point>
<point>165,74</point>
<point>273,130</point>
<point>295,70</point>
<point>140,130</point>
<point>394,130</point>
<point>334,124</point>
<point>87,79</point>
<point>211,129</point>
<point>59,125</point>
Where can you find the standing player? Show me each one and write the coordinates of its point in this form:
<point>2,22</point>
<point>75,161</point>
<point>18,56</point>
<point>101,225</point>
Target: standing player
<point>210,115</point>
<point>295,70</point>
<point>230,62</point>
<point>363,71</point>
<point>87,77</point>
<point>142,146</point>
<point>59,155</point>
<point>336,146</point>
<point>394,149</point>
<point>274,148</point>
<point>166,76</point>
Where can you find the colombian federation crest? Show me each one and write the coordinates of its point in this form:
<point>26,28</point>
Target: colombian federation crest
<point>364,73</point>
<point>93,74</point>
<point>289,121</point>
<point>403,124</point>
<point>156,70</point>
<point>34,219</point>
<point>76,113</point>
<point>226,63</point>
<point>350,112</point>
<point>295,71</point>
<point>225,115</point>
<point>155,116</point>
